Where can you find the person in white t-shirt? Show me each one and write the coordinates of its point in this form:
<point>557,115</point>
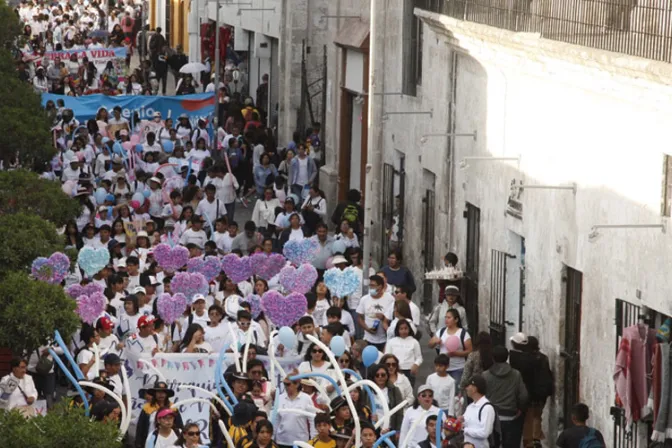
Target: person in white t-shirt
<point>86,359</point>
<point>210,206</point>
<point>109,342</point>
<point>144,341</point>
<point>457,348</point>
<point>165,434</point>
<point>195,235</point>
<point>443,384</point>
<point>373,310</point>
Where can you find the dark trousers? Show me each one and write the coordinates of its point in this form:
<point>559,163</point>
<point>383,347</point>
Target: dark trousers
<point>230,211</point>
<point>380,347</point>
<point>410,376</point>
<point>164,79</point>
<point>512,432</point>
<point>46,386</point>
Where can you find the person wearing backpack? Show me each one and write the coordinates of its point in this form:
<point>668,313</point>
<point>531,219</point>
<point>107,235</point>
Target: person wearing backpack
<point>350,211</point>
<point>508,394</point>
<point>542,387</point>
<point>580,435</point>
<point>480,420</point>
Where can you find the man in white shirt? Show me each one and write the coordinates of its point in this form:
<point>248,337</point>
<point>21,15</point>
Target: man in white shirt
<point>211,207</point>
<point>374,309</point>
<point>195,235</point>
<point>403,293</point>
<point>144,341</point>
<point>112,369</point>
<point>17,390</point>
<point>479,417</point>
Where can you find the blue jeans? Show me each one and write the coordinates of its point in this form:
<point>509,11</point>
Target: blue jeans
<point>359,333</point>
<point>457,376</point>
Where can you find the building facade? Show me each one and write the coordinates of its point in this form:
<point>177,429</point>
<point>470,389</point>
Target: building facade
<point>511,138</point>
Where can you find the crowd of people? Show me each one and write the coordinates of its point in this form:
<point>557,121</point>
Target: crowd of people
<point>166,181</point>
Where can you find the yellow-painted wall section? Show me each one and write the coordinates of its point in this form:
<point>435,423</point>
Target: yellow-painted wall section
<point>152,14</point>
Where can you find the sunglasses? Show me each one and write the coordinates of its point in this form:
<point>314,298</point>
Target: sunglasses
<point>193,433</point>
<point>381,375</point>
<point>391,364</point>
<point>318,351</point>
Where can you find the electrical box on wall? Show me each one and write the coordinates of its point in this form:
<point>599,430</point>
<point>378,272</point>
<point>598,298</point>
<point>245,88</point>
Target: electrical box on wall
<point>262,46</point>
<point>241,39</point>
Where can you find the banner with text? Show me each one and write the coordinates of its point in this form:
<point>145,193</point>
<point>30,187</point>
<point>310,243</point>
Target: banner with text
<point>194,369</point>
<point>199,105</point>
<point>100,57</point>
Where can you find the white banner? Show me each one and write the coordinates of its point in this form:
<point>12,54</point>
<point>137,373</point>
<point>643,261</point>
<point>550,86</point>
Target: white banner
<point>187,368</point>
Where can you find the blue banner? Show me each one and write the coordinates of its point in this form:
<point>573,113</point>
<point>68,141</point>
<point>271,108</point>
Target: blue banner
<point>199,105</point>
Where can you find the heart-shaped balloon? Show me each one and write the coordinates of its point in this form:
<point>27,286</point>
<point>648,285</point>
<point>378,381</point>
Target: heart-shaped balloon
<point>238,269</point>
<point>342,283</point>
<point>210,267</point>
<point>171,258</point>
<point>299,252</point>
<point>77,290</point>
<point>284,310</point>
<point>170,308</point>
<point>255,305</point>
<point>299,280</point>
<point>51,270</point>
<point>189,284</point>
<point>267,266</point>
<point>93,260</point>
<point>91,307</point>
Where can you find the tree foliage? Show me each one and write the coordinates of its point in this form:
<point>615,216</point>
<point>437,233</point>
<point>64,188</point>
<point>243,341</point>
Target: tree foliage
<point>24,191</point>
<point>31,311</point>
<point>61,427</point>
<point>23,238</point>
<point>25,128</point>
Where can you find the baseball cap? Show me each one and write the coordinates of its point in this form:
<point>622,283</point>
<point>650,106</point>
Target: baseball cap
<point>105,323</point>
<point>519,338</point>
<point>479,382</point>
<point>424,388</point>
<point>139,289</point>
<point>145,321</point>
<point>198,297</point>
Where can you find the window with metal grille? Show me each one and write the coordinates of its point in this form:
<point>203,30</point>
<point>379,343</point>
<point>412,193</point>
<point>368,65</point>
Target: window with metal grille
<point>428,204</point>
<point>572,350</point>
<point>666,197</point>
<point>470,281</point>
<point>393,208</point>
<point>498,297</point>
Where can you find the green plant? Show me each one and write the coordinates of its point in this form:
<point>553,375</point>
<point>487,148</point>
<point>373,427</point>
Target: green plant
<point>23,238</point>
<point>31,311</point>
<point>24,191</point>
<point>61,427</point>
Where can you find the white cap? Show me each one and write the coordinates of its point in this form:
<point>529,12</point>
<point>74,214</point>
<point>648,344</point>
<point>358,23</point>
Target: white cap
<point>519,338</point>
<point>198,297</point>
<point>138,289</point>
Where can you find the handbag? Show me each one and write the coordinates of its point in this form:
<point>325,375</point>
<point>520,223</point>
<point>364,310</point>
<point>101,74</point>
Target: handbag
<point>44,364</point>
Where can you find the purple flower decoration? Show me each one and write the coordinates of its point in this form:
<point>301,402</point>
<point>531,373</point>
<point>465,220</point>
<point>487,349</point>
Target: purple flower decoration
<point>299,280</point>
<point>89,308</point>
<point>75,291</point>
<point>255,305</point>
<point>170,308</point>
<point>299,252</point>
<point>189,284</point>
<point>267,266</point>
<point>210,267</point>
<point>171,258</point>
<point>51,270</point>
<point>238,269</point>
<point>284,311</point>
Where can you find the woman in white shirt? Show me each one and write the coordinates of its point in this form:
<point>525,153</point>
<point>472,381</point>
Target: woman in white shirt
<point>316,361</point>
<point>406,348</point>
<point>194,340</point>
<point>347,235</point>
<point>263,214</point>
<point>314,208</point>
<point>290,426</point>
<point>86,360</point>
<point>216,332</point>
<point>130,86</point>
<point>165,435</point>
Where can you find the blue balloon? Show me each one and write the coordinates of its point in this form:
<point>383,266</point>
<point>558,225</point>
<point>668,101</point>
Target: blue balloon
<point>110,198</point>
<point>168,147</point>
<point>369,356</point>
<point>147,193</point>
<point>287,337</point>
<point>138,148</point>
<point>338,247</point>
<point>337,345</point>
<point>100,195</point>
<point>117,149</point>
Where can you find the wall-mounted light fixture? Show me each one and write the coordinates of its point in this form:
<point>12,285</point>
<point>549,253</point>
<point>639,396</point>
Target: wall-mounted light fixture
<point>340,17</point>
<point>464,163</point>
<point>255,9</point>
<point>386,115</point>
<point>595,234</point>
<point>523,187</point>
<point>425,137</point>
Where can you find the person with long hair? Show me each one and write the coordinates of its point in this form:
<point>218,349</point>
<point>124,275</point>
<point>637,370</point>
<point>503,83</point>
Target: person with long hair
<point>190,437</point>
<point>72,237</point>
<point>159,398</point>
<point>216,332</point>
<point>194,340</point>
<point>478,360</point>
<point>397,377</point>
<point>293,427</point>
<point>402,311</point>
<point>361,402</point>
<point>459,349</point>
<point>164,434</point>
<point>264,436</point>
<point>407,350</point>
<point>316,360</point>
<point>380,375</point>
<point>423,406</point>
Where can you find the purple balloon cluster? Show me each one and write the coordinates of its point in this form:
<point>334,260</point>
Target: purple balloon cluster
<point>255,305</point>
<point>189,284</point>
<point>170,308</point>
<point>90,307</point>
<point>171,258</point>
<point>51,270</point>
<point>238,269</point>
<point>267,266</point>
<point>299,252</point>
<point>76,290</point>
<point>210,267</point>
<point>299,280</point>
<point>284,310</point>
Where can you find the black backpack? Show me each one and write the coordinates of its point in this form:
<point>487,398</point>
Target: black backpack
<point>495,437</point>
<point>463,334</point>
<point>544,383</point>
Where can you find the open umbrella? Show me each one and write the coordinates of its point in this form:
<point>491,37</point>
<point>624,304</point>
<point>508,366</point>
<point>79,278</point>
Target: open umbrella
<point>193,67</point>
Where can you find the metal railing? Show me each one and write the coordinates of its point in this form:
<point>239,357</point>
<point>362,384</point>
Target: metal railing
<point>636,27</point>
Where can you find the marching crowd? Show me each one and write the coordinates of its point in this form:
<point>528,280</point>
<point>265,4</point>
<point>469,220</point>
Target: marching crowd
<point>144,183</point>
